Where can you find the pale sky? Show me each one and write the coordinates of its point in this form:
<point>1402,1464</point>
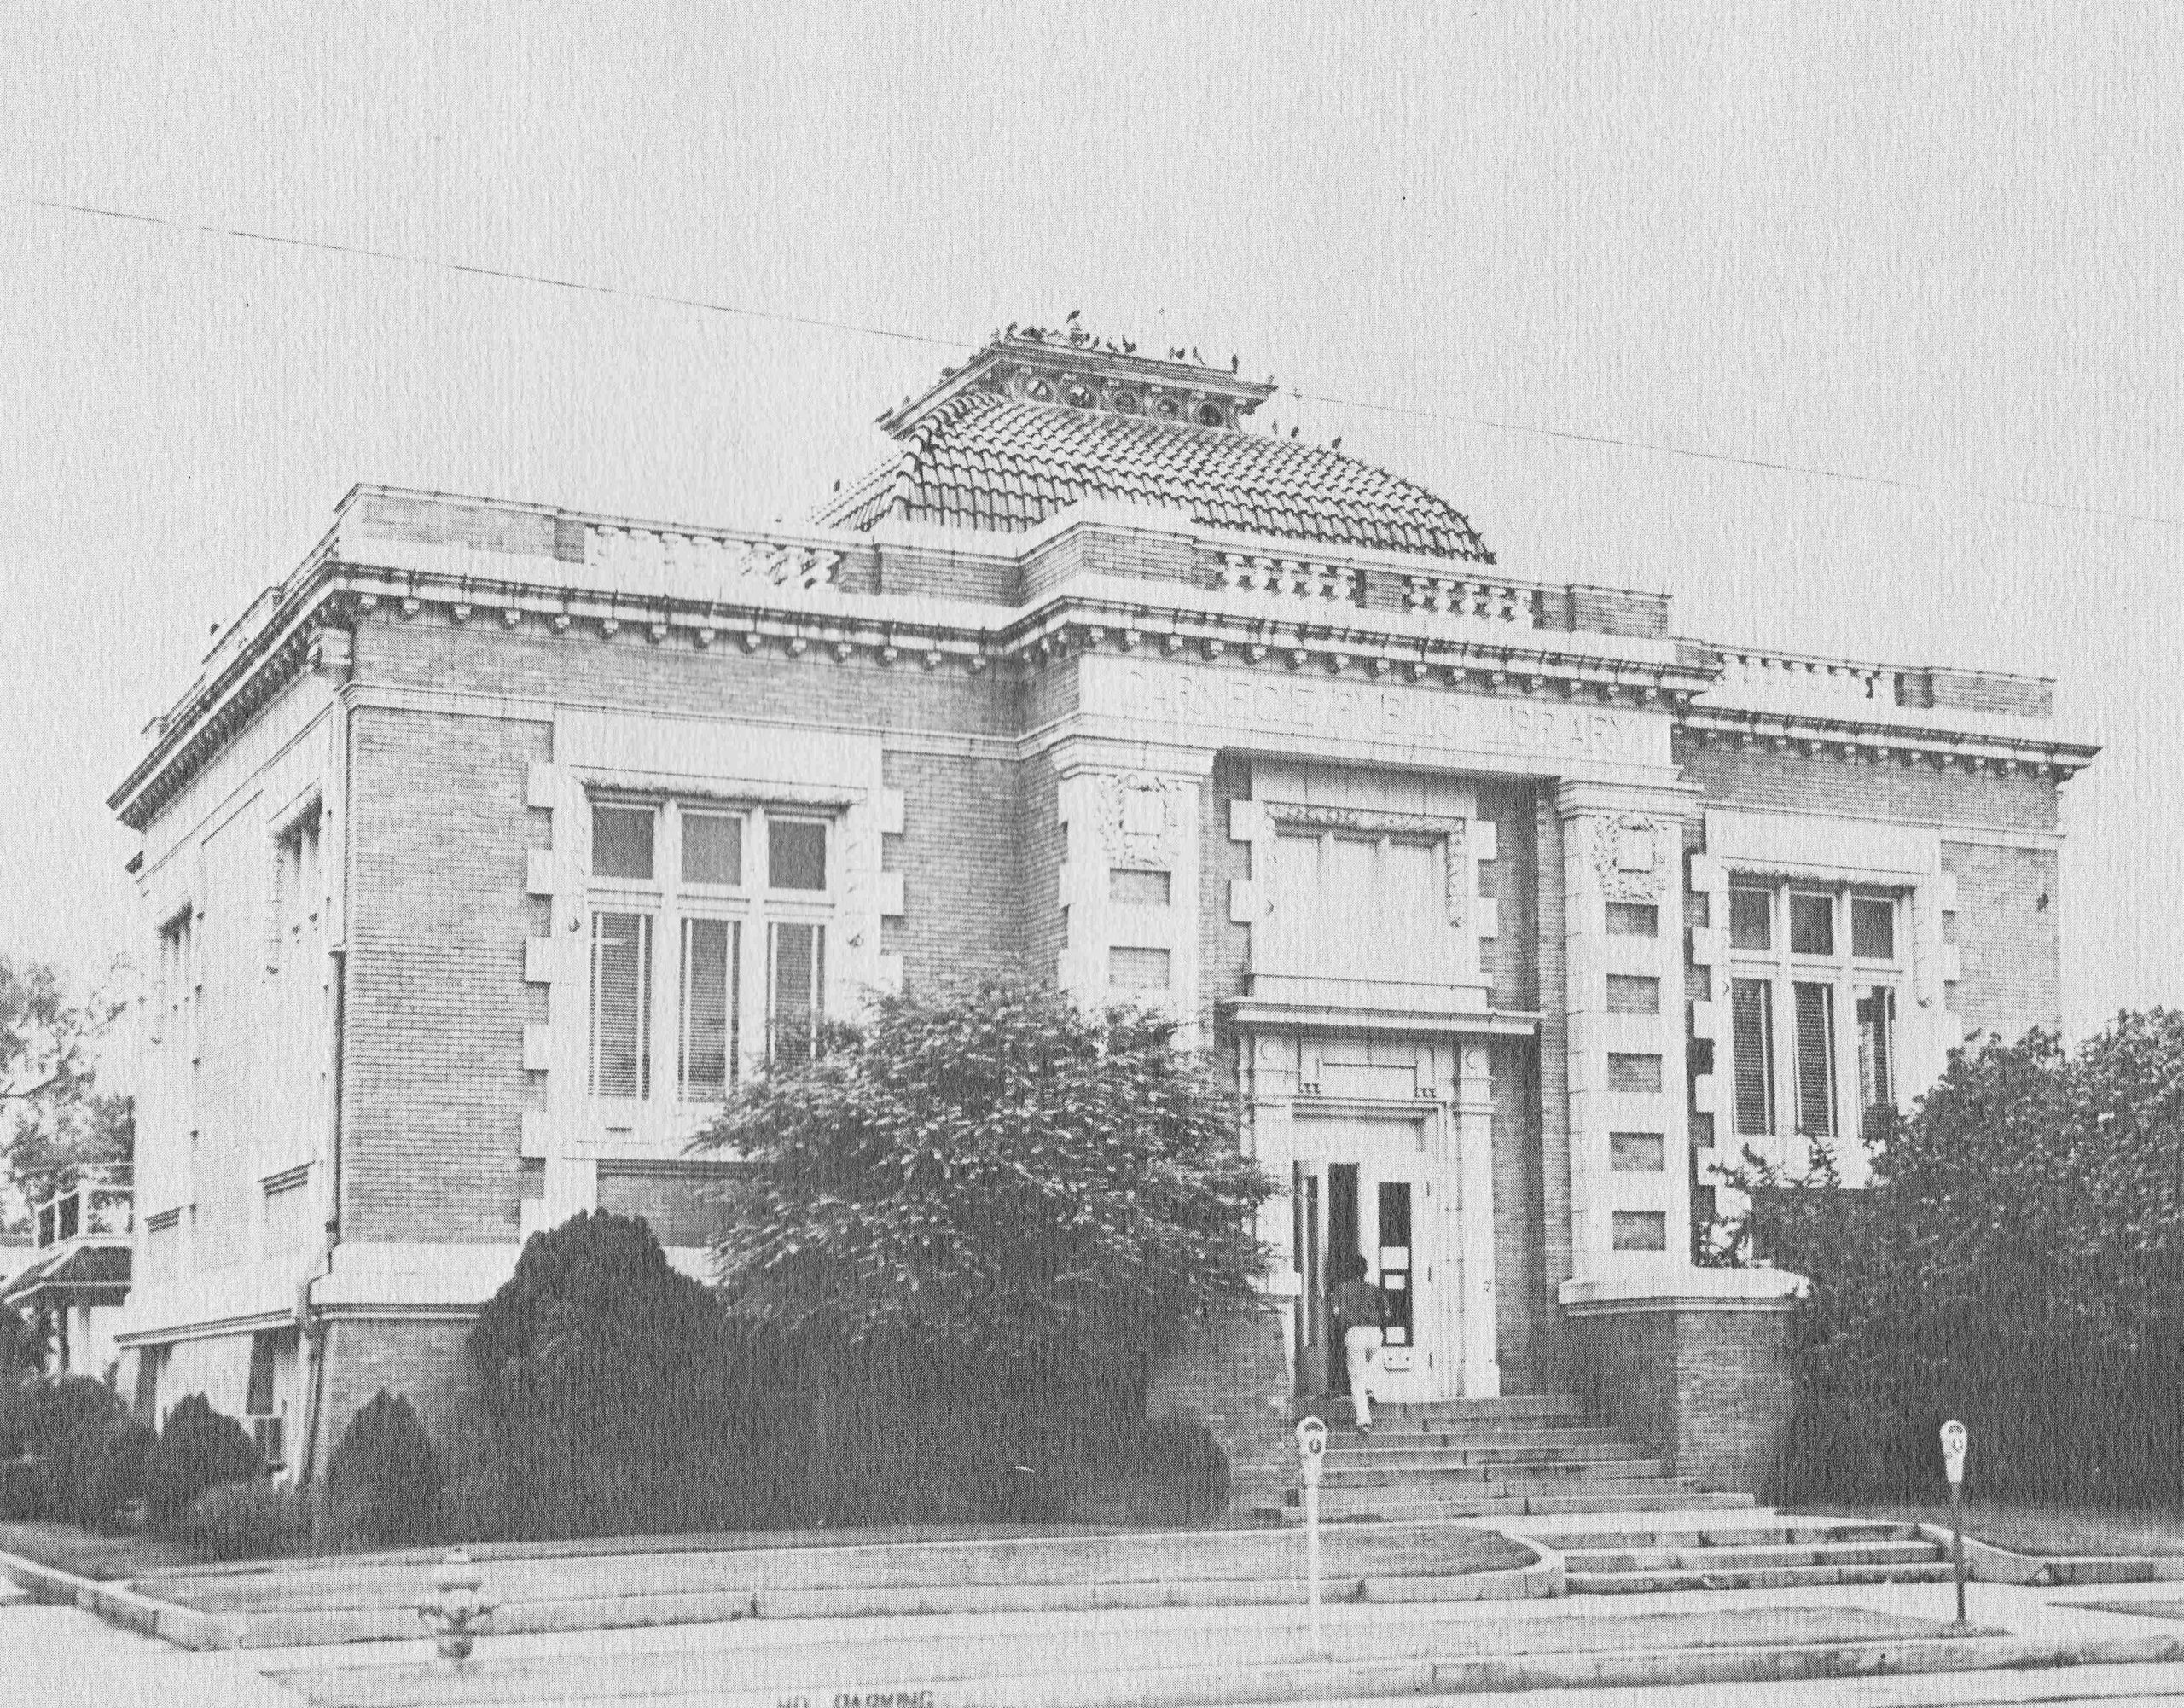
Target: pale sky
<point>1937,245</point>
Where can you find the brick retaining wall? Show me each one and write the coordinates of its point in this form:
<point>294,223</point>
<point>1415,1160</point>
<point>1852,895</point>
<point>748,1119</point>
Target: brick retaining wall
<point>1708,1386</point>
<point>1231,1374</point>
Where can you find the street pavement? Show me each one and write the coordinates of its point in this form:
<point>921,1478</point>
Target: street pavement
<point>53,1657</point>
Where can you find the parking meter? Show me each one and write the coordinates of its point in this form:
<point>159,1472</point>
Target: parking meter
<point>1955,1438</point>
<point>1311,1450</point>
<point>1312,1462</point>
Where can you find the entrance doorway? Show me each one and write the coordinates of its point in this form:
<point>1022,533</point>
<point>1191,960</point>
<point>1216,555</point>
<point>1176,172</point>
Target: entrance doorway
<point>1370,1193</point>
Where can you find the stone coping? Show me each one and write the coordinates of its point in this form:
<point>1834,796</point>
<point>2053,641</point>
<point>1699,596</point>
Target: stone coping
<point>1683,1288</point>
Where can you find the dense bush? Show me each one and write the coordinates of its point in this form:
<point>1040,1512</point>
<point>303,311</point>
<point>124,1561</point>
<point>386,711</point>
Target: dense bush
<point>117,1478</point>
<point>383,1482</point>
<point>22,1490</point>
<point>2018,1263</point>
<point>60,1425</point>
<point>618,1399</point>
<point>1160,1473</point>
<point>257,1520</point>
<point>198,1450</point>
<point>23,1346</point>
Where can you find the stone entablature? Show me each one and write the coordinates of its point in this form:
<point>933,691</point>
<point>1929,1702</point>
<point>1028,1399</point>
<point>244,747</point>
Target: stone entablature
<point>1882,714</point>
<point>514,566</point>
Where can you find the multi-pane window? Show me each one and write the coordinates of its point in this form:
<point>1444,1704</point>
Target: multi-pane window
<point>685,896</point>
<point>296,891</point>
<point>176,988</point>
<point>1824,961</point>
<point>1356,905</point>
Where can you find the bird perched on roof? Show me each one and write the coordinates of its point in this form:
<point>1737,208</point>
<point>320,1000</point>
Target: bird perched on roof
<point>1235,364</point>
<point>1129,349</point>
<point>1196,358</point>
<point>1010,331</point>
<point>1336,442</point>
<point>1293,432</point>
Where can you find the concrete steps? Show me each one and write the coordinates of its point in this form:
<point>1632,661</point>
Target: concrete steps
<point>1523,1456</point>
<point>1631,1562</point>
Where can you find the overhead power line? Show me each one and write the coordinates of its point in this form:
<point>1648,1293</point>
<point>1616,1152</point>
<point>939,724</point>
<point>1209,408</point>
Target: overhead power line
<point>896,334</point>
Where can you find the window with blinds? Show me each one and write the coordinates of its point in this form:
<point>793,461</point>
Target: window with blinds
<point>712,957</point>
<point>1815,1006</point>
<point>1802,948</point>
<point>1751,1025</point>
<point>1876,1056</point>
<point>796,960</point>
<point>621,1004</point>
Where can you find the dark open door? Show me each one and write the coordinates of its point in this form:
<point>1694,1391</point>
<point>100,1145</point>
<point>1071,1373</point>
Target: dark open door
<point>1342,1248</point>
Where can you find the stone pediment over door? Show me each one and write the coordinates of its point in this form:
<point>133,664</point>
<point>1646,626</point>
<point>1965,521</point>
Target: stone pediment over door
<point>1364,890</point>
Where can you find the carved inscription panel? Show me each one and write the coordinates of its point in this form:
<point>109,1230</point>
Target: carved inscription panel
<point>1217,704</point>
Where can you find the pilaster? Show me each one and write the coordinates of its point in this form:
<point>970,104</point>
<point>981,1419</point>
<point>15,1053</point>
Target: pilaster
<point>1130,814</point>
<point>1629,1162</point>
<point>1474,1136</point>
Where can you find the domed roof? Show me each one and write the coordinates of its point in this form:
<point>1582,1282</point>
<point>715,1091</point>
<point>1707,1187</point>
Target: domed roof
<point>999,448</point>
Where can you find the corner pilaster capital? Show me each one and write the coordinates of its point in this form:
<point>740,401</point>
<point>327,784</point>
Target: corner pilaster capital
<point>1074,755</point>
<point>1576,799</point>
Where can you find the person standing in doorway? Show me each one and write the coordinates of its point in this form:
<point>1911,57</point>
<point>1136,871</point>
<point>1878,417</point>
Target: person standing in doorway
<point>1360,1311</point>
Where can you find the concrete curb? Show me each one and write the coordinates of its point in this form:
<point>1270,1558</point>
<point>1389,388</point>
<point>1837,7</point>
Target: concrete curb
<point>1327,1681</point>
<point>1984,1563</point>
<point>330,1627</point>
<point>118,1604</point>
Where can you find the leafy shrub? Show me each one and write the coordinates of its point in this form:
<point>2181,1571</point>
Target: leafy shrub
<point>973,1220</point>
<point>1165,1473</point>
<point>60,1425</point>
<point>383,1484</point>
<point>259,1520</point>
<point>998,1177</point>
<point>117,1479</point>
<point>15,1408</point>
<point>24,1343</point>
<point>197,1450</point>
<point>614,1388</point>
<point>22,1490</point>
<point>2018,1263</point>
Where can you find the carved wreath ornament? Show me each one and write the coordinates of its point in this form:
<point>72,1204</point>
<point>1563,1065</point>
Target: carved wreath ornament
<point>1141,819</point>
<point>1630,853</point>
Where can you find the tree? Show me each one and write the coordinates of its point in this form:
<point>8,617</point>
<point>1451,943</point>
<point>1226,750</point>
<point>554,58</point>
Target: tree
<point>53,1121</point>
<point>996,1181</point>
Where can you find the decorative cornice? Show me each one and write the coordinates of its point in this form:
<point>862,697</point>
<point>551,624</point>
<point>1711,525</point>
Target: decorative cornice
<point>1973,752</point>
<point>615,581</point>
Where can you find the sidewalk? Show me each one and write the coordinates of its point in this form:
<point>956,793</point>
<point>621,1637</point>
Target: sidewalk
<point>1850,1643</point>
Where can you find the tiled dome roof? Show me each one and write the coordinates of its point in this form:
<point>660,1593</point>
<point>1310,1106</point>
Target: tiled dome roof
<point>984,459</point>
